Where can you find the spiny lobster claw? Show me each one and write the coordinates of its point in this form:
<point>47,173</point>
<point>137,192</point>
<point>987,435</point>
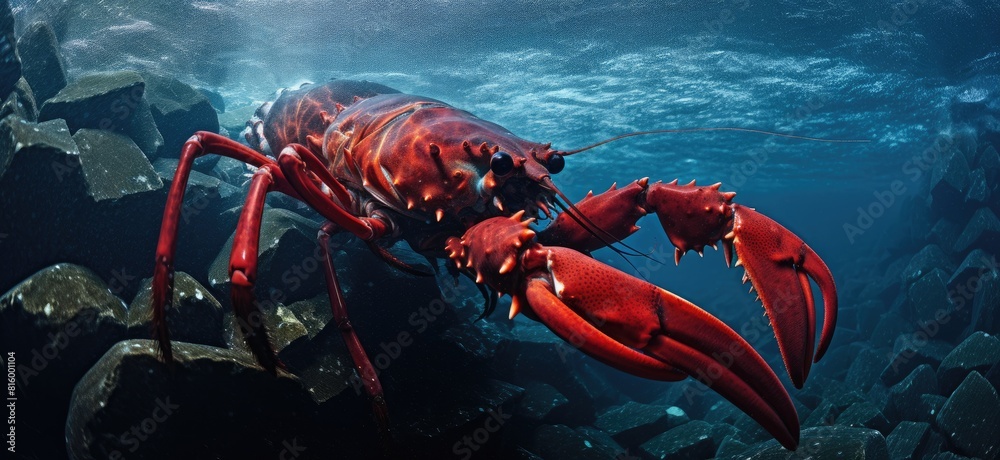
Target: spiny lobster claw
<point>623,321</point>
<point>777,263</point>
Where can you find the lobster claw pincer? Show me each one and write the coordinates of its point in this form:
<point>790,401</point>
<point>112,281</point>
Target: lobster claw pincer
<point>777,263</point>
<point>623,321</point>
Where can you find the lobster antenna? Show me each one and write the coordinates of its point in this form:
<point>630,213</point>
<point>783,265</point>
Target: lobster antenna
<point>694,130</point>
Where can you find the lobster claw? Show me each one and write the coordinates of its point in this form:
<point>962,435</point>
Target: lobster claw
<point>777,263</point>
<point>623,321</point>
<point>600,309</point>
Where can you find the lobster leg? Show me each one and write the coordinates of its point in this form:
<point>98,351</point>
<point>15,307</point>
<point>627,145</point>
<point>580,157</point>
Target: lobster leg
<point>199,144</point>
<point>243,271</point>
<point>362,364</point>
<point>778,264</point>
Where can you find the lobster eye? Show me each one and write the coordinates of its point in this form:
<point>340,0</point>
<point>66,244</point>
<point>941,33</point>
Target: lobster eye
<point>501,163</point>
<point>555,164</point>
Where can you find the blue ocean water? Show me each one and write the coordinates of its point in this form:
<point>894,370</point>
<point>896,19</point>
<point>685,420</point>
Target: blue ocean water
<point>902,75</point>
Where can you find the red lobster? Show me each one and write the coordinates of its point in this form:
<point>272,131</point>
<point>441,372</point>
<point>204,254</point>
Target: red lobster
<point>386,166</point>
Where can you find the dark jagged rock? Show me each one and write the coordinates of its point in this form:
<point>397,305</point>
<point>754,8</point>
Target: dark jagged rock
<point>110,101</point>
<point>965,279</point>
<point>912,353</point>
<point>865,415</point>
<point>979,189</point>
<point>58,323</point>
<point>986,305</point>
<point>11,70</point>
<point>214,98</point>
<point>43,66</point>
<point>932,306</point>
<point>989,162</point>
<point>692,440</point>
<point>890,326</point>
<point>979,352</point>
<point>865,368</point>
<point>536,354</point>
<point>129,387</point>
<point>950,182</point>
<point>904,397</point>
<point>288,266</point>
<point>235,172</point>
<point>923,262</point>
<point>944,233</point>
<point>560,442</point>
<point>113,165</point>
<point>722,412</point>
<point>179,111</point>
<point>932,404</point>
<point>730,447</point>
<point>633,423</point>
<point>907,441</point>
<point>982,231</point>
<point>827,442</point>
<point>971,418</point>
<point>195,317</point>
<point>935,443</point>
<point>463,417</point>
<point>20,102</point>
<point>542,403</point>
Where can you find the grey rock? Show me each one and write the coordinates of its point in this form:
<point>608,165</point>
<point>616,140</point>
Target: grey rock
<point>537,355</point>
<point>195,316</point>
<point>827,442</point>
<point>979,188</point>
<point>950,181</point>
<point>977,264</point>
<point>730,447</point>
<point>179,111</point>
<point>912,353</point>
<point>130,385</point>
<point>924,261</point>
<point>58,323</point>
<point>12,70</point>
<point>866,368</point>
<point>692,440</point>
<point>944,233</point>
<point>986,305</point>
<point>113,166</point>
<point>978,352</point>
<point>542,403</point>
<point>43,66</point>
<point>825,414</point>
<point>932,404</point>
<point>932,306</point>
<point>865,415</point>
<point>907,440</point>
<point>20,102</point>
<point>560,442</point>
<point>110,101</point>
<point>971,418</point>
<point>982,230</point>
<point>904,397</point>
<point>216,99</point>
<point>890,326</point>
<point>989,162</point>
<point>634,423</point>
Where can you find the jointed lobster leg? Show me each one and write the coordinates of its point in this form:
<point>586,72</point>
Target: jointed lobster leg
<point>363,366</point>
<point>199,144</point>
<point>777,262</point>
<point>243,271</point>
